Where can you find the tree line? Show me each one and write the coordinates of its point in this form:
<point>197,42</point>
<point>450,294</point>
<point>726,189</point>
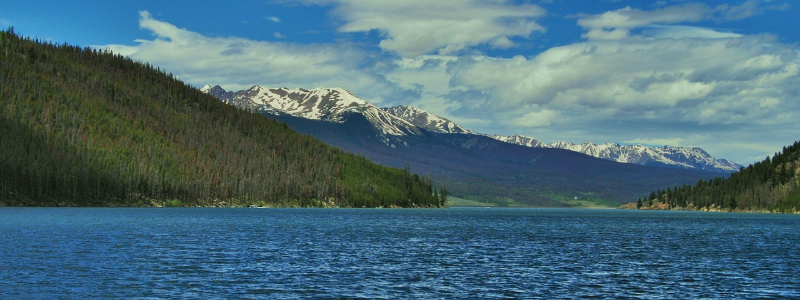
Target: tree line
<point>87,127</point>
<point>768,185</point>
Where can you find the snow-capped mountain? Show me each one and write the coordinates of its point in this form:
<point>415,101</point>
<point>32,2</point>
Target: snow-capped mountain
<point>335,104</point>
<point>324,104</point>
<point>684,157</point>
<point>520,140</point>
<point>426,120</point>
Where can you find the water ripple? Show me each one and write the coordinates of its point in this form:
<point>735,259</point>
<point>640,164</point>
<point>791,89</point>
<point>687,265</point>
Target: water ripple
<point>391,254</point>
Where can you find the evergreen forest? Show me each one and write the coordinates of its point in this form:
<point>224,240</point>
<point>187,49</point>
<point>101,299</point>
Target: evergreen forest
<point>87,127</point>
<point>769,185</point>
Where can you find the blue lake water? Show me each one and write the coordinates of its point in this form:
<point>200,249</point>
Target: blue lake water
<point>472,253</point>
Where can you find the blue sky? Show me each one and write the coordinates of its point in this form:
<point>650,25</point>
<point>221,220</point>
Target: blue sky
<point>721,75</point>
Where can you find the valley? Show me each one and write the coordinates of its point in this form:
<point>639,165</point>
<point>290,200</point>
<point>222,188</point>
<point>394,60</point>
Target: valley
<point>473,166</point>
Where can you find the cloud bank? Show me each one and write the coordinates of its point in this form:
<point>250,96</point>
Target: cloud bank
<point>635,75</point>
<point>239,63</point>
<point>413,28</point>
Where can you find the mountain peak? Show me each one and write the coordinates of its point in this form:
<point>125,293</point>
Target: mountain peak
<point>336,104</point>
<point>681,157</point>
<point>324,104</point>
<point>217,91</point>
<point>520,140</point>
<point>207,88</point>
<point>426,120</point>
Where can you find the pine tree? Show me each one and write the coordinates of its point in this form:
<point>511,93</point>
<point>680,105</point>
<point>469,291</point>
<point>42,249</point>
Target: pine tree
<point>442,196</point>
<point>770,184</point>
<point>85,127</point>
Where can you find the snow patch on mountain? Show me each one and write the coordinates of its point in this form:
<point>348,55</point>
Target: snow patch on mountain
<point>684,157</point>
<point>426,120</point>
<point>324,104</point>
<point>520,140</point>
<point>334,105</point>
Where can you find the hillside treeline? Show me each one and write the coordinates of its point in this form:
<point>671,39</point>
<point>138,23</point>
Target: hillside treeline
<point>768,185</point>
<point>85,127</point>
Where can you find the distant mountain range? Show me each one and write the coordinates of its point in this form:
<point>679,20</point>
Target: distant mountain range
<point>426,120</point>
<point>472,165</point>
<point>331,104</point>
<point>666,156</point>
<point>316,104</point>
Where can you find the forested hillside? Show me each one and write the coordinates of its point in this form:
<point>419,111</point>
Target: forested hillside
<point>768,185</point>
<point>82,127</point>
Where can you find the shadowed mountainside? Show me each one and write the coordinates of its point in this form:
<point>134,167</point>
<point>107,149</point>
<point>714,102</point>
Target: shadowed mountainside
<point>82,127</point>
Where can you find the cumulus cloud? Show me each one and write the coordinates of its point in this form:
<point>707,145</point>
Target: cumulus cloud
<point>619,24</point>
<point>707,91</point>
<point>737,12</point>
<point>238,63</point>
<point>638,76</point>
<point>413,28</point>
<point>701,81</point>
<point>537,118</point>
<point>614,25</point>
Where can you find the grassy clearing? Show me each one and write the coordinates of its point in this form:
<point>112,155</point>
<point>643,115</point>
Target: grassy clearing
<point>460,202</point>
<point>591,204</point>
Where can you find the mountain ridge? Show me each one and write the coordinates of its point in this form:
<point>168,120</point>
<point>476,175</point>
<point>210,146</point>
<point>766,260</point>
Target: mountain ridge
<point>475,166</point>
<point>426,120</point>
<point>481,168</point>
<point>407,120</point>
<point>325,104</point>
<point>686,157</point>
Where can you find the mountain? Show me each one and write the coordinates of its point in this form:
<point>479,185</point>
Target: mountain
<point>770,185</point>
<point>426,120</point>
<point>521,140</point>
<point>471,165</point>
<point>82,127</point>
<point>666,156</point>
<point>315,104</point>
<point>332,104</point>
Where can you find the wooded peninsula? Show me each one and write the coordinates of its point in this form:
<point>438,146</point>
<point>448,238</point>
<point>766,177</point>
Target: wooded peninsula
<point>770,185</point>
<point>87,127</point>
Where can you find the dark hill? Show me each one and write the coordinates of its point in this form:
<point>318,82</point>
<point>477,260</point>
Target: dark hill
<point>769,185</point>
<point>485,169</point>
<point>82,127</point>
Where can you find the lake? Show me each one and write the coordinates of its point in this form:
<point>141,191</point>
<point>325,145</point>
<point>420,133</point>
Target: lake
<point>472,253</point>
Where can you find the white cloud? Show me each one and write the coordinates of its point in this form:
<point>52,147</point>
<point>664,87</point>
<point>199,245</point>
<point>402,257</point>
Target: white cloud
<point>737,12</point>
<point>618,24</point>
<point>663,74</point>
<point>679,32</point>
<point>237,63</point>
<point>273,19</point>
<point>412,28</point>
<point>278,35</point>
<point>625,90</point>
<point>502,42</point>
<point>640,76</point>
<point>656,141</point>
<point>670,73</point>
<point>537,118</point>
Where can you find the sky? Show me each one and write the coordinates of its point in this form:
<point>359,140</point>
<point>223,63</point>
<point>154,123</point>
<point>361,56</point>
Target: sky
<point>720,75</point>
